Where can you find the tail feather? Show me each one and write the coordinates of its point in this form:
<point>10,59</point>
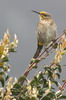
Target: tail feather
<point>38,51</point>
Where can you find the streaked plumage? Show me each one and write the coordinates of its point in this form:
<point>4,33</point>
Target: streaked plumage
<point>46,31</point>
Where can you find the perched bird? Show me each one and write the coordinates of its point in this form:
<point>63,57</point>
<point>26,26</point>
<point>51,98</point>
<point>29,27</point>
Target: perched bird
<point>46,31</point>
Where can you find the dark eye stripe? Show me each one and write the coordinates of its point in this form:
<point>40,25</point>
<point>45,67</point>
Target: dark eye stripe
<point>47,15</point>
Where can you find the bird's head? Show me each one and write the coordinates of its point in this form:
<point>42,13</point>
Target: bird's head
<point>43,15</point>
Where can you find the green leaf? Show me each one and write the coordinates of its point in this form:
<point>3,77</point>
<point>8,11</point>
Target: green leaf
<point>7,77</point>
<point>21,78</point>
<point>17,85</point>
<point>59,68</point>
<point>2,80</point>
<point>64,31</point>
<point>12,50</point>
<point>65,48</point>
<point>35,67</point>
<point>56,83</point>
<point>5,59</point>
<point>46,98</point>
<point>64,80</point>
<point>63,97</point>
<point>5,74</point>
<point>35,60</point>
<point>2,73</point>
<point>55,45</point>
<point>15,91</point>
<point>58,75</point>
<point>33,98</point>
<point>5,68</point>
<point>51,95</point>
<point>20,98</point>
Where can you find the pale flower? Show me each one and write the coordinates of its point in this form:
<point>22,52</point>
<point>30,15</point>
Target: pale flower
<point>15,42</point>
<point>15,39</point>
<point>8,87</point>
<point>6,38</point>
<point>2,92</point>
<point>32,92</point>
<point>60,51</point>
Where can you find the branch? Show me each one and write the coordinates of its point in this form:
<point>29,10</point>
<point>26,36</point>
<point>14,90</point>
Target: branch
<point>42,56</point>
<point>61,88</point>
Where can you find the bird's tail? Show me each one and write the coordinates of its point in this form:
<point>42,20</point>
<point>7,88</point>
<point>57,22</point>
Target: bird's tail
<point>37,51</point>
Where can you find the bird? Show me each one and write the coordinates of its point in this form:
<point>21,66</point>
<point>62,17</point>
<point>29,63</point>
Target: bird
<point>46,31</point>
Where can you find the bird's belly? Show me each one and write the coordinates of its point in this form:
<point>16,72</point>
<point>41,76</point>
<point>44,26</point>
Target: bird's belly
<point>46,35</point>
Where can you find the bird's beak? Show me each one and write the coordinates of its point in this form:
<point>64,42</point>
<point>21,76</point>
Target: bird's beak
<point>36,12</point>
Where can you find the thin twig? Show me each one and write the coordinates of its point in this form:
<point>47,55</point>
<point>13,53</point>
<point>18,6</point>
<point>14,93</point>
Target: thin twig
<point>62,87</point>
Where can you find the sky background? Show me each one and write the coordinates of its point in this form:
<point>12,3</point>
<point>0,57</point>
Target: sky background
<point>17,16</point>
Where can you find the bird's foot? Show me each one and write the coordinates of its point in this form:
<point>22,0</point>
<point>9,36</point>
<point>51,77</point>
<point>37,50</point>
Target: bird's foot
<point>55,44</point>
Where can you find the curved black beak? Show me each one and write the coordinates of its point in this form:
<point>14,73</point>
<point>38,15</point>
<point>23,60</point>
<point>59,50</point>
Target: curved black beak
<point>35,11</point>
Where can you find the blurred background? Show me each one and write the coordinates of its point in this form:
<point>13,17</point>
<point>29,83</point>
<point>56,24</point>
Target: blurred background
<point>17,17</point>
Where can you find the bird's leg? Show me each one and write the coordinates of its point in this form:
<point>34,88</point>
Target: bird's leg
<point>54,44</point>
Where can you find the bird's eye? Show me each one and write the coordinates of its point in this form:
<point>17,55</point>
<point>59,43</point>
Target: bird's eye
<point>46,15</point>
